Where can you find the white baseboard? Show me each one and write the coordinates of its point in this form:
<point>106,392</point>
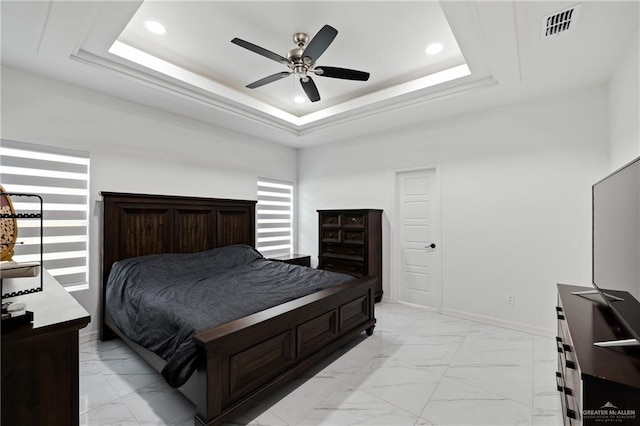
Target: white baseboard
<point>89,336</point>
<point>413,305</point>
<point>500,323</point>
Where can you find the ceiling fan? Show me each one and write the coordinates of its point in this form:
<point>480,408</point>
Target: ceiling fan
<point>302,61</point>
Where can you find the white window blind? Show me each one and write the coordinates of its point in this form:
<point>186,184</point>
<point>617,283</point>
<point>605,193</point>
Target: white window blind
<point>274,218</point>
<point>61,178</point>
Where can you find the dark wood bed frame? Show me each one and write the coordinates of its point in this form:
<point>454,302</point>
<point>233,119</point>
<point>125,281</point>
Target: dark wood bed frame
<point>246,359</point>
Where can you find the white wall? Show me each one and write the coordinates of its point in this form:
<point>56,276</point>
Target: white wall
<point>135,149</point>
<point>515,182</point>
<point>516,199</point>
<point>624,106</point>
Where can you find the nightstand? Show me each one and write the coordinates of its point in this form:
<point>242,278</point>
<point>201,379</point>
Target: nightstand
<point>294,259</point>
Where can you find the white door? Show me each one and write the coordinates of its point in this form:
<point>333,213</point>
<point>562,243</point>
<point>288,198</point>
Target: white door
<point>418,204</point>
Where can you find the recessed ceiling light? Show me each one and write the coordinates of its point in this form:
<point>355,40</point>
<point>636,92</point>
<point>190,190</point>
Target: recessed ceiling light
<point>298,100</point>
<point>155,27</point>
<point>434,48</point>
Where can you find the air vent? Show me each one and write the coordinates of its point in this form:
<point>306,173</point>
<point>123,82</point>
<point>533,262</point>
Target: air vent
<point>560,22</point>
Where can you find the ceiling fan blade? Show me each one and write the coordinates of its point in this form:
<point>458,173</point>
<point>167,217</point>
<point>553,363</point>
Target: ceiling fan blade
<point>260,50</point>
<point>270,79</point>
<point>343,73</point>
<point>310,89</point>
<point>320,42</point>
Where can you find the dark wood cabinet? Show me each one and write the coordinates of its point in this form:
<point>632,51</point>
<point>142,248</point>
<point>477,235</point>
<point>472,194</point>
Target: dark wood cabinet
<point>597,385</point>
<point>350,241</point>
<point>40,365</point>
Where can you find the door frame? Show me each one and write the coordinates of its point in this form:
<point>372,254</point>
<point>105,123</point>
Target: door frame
<point>396,241</point>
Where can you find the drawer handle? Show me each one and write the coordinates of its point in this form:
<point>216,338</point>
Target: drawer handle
<point>558,339</point>
<point>558,379</point>
<point>571,414</point>
<point>570,364</point>
<point>353,220</point>
<point>560,317</point>
<point>559,350</point>
<point>558,308</point>
<point>567,348</point>
<point>568,391</point>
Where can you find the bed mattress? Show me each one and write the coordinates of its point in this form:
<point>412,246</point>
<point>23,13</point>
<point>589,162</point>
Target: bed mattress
<point>161,301</point>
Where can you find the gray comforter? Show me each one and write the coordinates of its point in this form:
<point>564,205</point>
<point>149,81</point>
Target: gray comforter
<point>161,301</point>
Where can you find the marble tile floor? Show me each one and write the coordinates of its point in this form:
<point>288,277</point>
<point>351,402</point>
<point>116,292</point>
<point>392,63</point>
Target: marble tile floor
<point>418,368</point>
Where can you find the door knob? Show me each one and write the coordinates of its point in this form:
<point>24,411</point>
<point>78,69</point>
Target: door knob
<point>432,245</point>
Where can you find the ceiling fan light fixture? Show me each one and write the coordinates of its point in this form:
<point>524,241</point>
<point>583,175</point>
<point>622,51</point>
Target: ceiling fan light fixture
<point>300,71</point>
<point>155,27</point>
<point>302,60</point>
<point>299,100</point>
<point>434,49</point>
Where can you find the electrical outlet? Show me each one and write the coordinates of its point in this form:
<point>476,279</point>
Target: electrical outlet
<point>511,299</point>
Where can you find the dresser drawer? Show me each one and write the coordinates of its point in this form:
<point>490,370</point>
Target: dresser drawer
<point>331,235</point>
<point>572,410</point>
<point>569,383</point>
<point>350,267</point>
<point>352,236</point>
<point>356,220</point>
<point>567,401</point>
<point>563,403</point>
<point>330,219</point>
<point>355,252</point>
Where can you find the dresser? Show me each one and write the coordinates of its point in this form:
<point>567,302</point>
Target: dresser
<point>40,365</point>
<point>596,385</point>
<point>350,241</point>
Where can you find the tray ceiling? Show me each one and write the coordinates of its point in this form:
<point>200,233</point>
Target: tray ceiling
<point>492,53</point>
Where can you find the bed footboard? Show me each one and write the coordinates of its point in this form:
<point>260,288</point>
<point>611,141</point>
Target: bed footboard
<point>245,359</point>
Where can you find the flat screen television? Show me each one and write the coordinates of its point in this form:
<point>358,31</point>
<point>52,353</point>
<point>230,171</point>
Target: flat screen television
<point>616,246</point>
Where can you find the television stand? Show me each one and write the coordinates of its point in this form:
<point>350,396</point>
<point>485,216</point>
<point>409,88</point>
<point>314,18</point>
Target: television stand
<point>597,385</point>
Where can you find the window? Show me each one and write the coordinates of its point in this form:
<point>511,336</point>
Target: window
<point>274,218</point>
<point>61,178</point>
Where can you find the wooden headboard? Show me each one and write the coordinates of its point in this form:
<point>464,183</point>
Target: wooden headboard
<point>139,225</point>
